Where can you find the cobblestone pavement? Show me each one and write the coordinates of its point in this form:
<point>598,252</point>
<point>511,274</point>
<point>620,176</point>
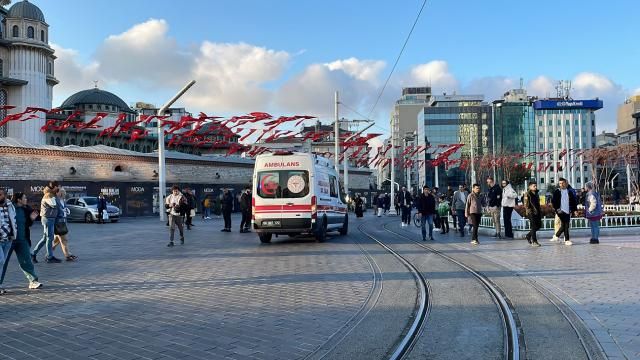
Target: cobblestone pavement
<point>219,296</point>
<point>599,282</point>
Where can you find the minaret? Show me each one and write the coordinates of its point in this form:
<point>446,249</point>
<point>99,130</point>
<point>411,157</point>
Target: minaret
<point>29,64</point>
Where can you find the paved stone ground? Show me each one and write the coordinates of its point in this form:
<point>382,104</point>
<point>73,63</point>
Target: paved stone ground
<point>218,296</point>
<point>600,282</point>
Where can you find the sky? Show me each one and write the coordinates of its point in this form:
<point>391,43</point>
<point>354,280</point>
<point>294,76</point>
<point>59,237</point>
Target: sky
<point>288,57</point>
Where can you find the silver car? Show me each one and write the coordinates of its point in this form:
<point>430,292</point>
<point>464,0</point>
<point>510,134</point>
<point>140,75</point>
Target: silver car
<point>86,209</point>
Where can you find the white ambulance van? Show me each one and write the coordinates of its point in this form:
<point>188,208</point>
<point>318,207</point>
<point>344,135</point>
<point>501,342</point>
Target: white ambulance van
<point>296,193</point>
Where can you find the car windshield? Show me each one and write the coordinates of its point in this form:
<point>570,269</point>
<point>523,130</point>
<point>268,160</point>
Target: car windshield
<point>90,201</point>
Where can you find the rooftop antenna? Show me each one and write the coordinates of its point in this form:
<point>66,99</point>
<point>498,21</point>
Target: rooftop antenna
<point>560,89</point>
<point>567,89</point>
<point>521,83</point>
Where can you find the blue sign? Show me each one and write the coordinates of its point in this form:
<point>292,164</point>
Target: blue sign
<point>567,104</point>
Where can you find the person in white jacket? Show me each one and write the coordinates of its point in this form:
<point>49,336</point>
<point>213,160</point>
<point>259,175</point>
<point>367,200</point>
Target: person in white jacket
<point>508,203</point>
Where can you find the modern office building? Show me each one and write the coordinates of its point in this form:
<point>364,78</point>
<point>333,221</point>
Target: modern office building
<point>514,126</point>
<point>564,126</point>
<point>625,114</point>
<point>454,119</point>
<point>404,124</point>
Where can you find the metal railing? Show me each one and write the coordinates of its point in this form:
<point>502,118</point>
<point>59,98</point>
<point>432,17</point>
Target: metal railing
<point>624,221</point>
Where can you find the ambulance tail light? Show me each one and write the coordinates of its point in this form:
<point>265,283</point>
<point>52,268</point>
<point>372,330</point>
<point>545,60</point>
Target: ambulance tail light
<point>253,208</point>
<point>314,207</point>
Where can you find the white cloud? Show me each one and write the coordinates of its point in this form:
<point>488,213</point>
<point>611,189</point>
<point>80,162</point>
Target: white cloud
<point>144,55</point>
<point>312,91</point>
<point>366,70</point>
<point>636,91</point>
<point>541,86</point>
<point>434,73</point>
<point>492,87</point>
<point>72,74</point>
<point>231,77</point>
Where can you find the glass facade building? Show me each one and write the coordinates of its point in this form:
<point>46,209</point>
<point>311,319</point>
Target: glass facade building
<point>454,119</point>
<point>563,127</point>
<point>514,124</point>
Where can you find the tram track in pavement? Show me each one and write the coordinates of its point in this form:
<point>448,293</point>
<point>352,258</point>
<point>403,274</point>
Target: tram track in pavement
<point>508,314</point>
<point>592,349</point>
<point>403,348</point>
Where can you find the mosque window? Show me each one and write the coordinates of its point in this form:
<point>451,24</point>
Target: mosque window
<point>50,68</point>
<point>42,38</point>
<point>15,31</point>
<point>30,32</point>
<point>1,67</point>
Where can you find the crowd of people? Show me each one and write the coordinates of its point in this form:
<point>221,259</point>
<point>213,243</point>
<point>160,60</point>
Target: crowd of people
<point>466,206</point>
<point>16,219</point>
<point>180,206</point>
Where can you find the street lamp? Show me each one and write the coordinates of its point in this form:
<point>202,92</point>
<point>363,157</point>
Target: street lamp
<point>162,185</point>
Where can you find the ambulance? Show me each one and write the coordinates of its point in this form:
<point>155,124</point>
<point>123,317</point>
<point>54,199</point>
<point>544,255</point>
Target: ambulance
<point>296,193</point>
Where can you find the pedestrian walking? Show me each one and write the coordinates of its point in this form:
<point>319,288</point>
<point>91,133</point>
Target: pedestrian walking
<point>593,211</point>
<point>473,211</point>
<point>494,204</point>
<point>61,230</point>
<point>564,202</point>
<point>189,210</point>
<point>404,203</point>
<point>175,203</point>
<point>459,205</point>
<point>14,223</point>
<point>509,197</point>
<point>426,207</point>
<point>206,208</point>
<point>102,207</point>
<point>227,207</point>
<point>48,216</point>
<point>380,205</point>
<point>245,207</point>
<point>359,202</point>
<point>387,203</point>
<point>533,213</point>
<point>443,210</point>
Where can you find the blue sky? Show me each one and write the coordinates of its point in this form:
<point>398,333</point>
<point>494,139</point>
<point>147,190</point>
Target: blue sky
<point>484,46</point>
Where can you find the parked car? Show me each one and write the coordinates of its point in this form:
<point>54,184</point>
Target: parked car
<point>86,209</point>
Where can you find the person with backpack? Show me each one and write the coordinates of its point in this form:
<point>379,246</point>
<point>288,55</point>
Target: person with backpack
<point>443,210</point>
<point>593,212</point>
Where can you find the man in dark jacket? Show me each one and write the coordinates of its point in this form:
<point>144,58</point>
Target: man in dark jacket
<point>102,207</point>
<point>565,203</point>
<point>227,206</point>
<point>191,204</point>
<point>532,211</point>
<point>426,207</point>
<point>245,207</point>
<point>404,201</point>
<point>494,204</point>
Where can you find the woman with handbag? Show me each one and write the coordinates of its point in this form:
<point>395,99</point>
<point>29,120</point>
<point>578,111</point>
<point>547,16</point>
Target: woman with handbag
<point>22,218</point>
<point>61,230</point>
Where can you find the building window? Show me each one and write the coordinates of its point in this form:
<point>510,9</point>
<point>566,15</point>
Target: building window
<point>30,32</point>
<point>90,107</point>
<point>50,68</point>
<point>15,31</point>
<point>1,67</point>
<point>118,168</point>
<point>42,38</point>
<point>541,180</point>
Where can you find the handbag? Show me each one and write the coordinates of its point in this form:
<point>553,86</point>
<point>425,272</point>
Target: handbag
<point>105,215</point>
<point>60,228</point>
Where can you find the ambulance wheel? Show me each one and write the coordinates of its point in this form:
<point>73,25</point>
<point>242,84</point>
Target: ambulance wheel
<point>265,238</point>
<point>321,233</point>
<point>345,226</point>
